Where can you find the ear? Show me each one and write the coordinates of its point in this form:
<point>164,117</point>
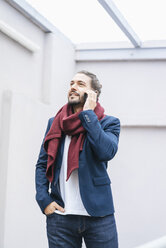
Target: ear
<point>97,93</point>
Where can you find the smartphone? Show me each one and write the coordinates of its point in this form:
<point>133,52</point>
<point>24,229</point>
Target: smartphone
<point>85,96</point>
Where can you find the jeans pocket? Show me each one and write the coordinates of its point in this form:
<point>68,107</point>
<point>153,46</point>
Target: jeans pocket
<point>49,215</point>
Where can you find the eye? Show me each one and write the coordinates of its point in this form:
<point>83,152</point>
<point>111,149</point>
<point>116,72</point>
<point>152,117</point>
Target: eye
<point>81,84</point>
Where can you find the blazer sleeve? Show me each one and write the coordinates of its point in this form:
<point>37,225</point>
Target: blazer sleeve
<point>104,142</point>
<point>41,182</point>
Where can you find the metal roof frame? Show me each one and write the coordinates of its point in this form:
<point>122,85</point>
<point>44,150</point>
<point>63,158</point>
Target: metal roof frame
<point>119,19</point>
<point>149,50</point>
<point>33,15</point>
<point>121,51</point>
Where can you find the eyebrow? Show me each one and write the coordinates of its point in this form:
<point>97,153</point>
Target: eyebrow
<point>80,81</point>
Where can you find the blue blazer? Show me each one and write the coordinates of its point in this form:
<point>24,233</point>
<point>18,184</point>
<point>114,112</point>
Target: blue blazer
<point>100,146</point>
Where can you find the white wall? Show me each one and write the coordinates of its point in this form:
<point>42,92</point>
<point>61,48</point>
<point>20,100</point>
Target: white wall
<point>24,223</point>
<point>135,93</point>
<point>32,86</point>
<point>135,90</point>
<point>22,70</point>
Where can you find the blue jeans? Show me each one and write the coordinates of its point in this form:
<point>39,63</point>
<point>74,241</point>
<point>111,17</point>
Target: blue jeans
<point>67,231</point>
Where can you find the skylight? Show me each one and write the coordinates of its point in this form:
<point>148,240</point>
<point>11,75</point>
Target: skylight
<point>87,21</point>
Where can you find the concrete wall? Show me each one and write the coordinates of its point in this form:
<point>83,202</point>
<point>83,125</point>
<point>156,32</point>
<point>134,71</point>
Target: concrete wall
<point>24,225</point>
<point>32,86</point>
<point>135,93</point>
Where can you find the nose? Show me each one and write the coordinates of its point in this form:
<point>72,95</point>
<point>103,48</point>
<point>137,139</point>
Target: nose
<point>74,87</point>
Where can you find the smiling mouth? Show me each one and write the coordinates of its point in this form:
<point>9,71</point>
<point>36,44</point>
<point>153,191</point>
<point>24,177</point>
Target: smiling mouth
<point>73,94</point>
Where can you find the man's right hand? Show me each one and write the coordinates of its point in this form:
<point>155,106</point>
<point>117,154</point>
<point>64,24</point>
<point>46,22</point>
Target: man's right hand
<point>52,207</point>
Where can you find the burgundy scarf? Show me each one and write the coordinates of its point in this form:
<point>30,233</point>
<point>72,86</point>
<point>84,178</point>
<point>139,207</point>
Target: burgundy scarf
<point>69,123</point>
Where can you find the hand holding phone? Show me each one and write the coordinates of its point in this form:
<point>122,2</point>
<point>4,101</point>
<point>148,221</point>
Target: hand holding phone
<point>90,98</point>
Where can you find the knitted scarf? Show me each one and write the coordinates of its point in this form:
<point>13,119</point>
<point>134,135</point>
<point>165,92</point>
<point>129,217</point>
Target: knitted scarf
<point>69,123</point>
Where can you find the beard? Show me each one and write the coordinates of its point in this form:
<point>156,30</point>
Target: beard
<point>74,102</point>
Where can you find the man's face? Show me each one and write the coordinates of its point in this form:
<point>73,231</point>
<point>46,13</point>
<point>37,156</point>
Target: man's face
<point>78,86</point>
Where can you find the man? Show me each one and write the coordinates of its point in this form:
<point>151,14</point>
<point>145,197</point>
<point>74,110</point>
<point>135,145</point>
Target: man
<point>78,143</point>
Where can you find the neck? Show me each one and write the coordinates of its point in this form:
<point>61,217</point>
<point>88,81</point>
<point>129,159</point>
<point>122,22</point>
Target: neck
<point>76,108</point>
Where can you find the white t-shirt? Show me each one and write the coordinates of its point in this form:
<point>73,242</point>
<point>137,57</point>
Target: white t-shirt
<point>70,190</point>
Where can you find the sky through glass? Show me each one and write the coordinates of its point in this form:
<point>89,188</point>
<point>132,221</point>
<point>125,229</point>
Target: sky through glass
<point>87,21</point>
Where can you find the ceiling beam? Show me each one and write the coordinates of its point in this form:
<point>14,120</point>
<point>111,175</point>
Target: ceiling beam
<point>116,15</point>
<point>119,54</point>
<point>34,16</point>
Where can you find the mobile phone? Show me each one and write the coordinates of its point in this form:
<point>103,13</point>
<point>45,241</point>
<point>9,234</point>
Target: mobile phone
<point>85,96</point>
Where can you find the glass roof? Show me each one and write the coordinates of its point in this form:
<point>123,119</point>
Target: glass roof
<point>87,21</point>
<point>146,17</point>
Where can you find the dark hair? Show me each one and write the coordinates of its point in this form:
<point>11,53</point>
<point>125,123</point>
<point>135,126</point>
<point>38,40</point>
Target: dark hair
<point>95,84</point>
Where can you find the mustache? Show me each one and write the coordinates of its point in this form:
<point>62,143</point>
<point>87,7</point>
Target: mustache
<point>75,92</point>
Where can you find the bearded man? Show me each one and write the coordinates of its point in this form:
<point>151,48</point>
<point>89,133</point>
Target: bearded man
<point>73,188</point>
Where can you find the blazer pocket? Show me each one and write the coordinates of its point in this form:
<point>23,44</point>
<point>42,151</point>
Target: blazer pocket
<point>101,180</point>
